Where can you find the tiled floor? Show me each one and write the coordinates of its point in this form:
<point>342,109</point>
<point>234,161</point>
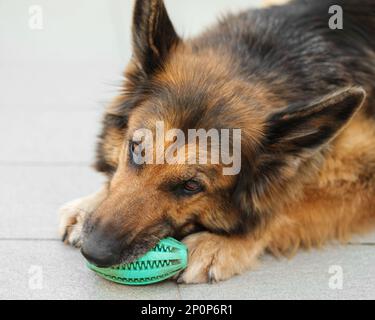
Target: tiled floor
<point>54,83</point>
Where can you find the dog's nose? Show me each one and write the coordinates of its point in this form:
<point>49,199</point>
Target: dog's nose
<point>101,251</point>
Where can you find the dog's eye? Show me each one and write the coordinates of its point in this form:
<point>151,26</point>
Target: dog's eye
<point>135,152</point>
<point>133,147</point>
<point>192,187</point>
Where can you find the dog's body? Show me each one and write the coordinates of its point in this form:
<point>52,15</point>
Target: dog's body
<point>304,98</point>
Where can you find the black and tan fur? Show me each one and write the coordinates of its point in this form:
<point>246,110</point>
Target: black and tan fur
<point>303,96</point>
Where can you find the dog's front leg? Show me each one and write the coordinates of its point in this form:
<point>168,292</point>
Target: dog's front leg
<point>74,213</point>
<point>215,257</point>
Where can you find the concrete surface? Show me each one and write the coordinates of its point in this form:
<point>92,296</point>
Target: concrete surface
<point>54,84</point>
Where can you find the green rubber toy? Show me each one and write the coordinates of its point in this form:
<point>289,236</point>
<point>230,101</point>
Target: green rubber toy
<point>165,260</point>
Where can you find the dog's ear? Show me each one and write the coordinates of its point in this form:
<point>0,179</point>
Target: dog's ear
<point>300,128</point>
<point>292,135</point>
<point>153,35</point>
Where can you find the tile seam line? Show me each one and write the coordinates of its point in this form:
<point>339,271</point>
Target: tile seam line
<point>57,239</point>
<point>44,164</point>
<point>31,239</point>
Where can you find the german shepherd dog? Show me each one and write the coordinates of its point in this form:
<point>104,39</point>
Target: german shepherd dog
<point>303,96</point>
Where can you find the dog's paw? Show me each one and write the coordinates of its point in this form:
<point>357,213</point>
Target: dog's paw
<point>214,258</point>
<point>72,217</point>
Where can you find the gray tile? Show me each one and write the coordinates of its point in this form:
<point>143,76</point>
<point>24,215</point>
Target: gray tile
<point>29,221</point>
<point>368,238</point>
<point>70,31</point>
<point>74,61</point>
<point>304,277</point>
<point>77,64</point>
<point>191,17</point>
<point>30,197</point>
<point>48,136</point>
<point>46,185</point>
<point>30,86</point>
<point>64,275</point>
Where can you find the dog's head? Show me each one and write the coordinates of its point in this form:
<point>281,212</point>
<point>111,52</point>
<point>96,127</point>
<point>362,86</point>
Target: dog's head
<point>186,85</point>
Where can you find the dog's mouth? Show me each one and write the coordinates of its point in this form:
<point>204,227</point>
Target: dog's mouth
<point>127,255</point>
<point>137,250</point>
<point>105,250</point>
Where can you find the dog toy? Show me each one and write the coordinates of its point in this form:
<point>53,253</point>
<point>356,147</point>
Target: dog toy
<point>165,260</point>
